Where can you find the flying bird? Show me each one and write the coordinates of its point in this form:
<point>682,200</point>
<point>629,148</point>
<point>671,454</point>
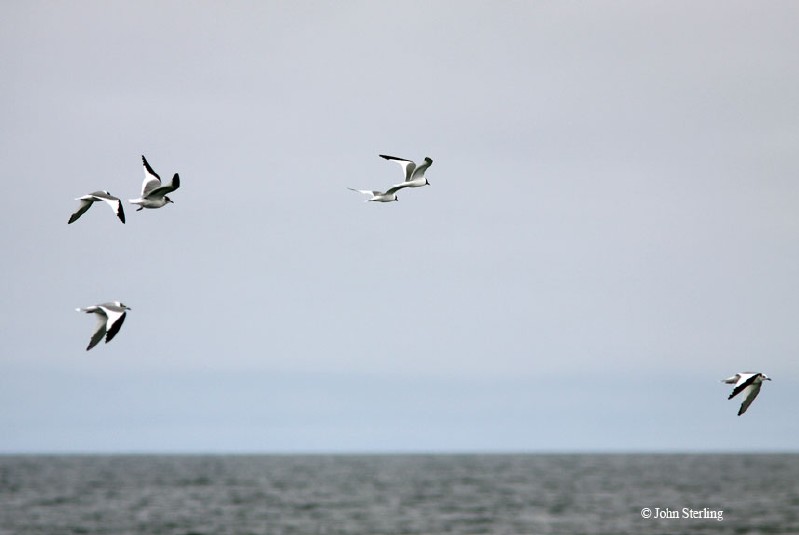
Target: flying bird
<point>414,175</point>
<point>153,194</point>
<point>86,202</point>
<point>110,317</point>
<point>749,383</point>
<point>379,196</point>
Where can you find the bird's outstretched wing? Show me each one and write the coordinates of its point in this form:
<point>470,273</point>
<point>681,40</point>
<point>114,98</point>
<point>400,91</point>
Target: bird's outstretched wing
<point>151,179</point>
<point>113,202</point>
<point>420,169</point>
<point>163,190</point>
<point>743,382</point>
<point>408,166</point>
<point>115,321</point>
<point>366,192</point>
<point>85,204</point>
<point>395,189</point>
<point>751,394</point>
<point>99,330</point>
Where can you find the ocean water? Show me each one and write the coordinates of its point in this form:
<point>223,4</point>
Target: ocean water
<point>394,494</point>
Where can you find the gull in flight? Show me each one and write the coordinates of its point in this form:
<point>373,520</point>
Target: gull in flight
<point>153,194</point>
<point>749,383</point>
<point>109,320</point>
<point>87,200</point>
<point>379,196</point>
<point>414,175</point>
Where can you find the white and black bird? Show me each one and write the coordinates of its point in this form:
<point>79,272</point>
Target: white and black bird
<point>110,317</point>
<point>153,193</point>
<point>86,202</point>
<point>749,383</point>
<point>380,196</point>
<point>414,174</point>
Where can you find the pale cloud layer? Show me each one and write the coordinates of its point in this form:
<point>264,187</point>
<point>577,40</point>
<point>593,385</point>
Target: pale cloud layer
<point>611,226</point>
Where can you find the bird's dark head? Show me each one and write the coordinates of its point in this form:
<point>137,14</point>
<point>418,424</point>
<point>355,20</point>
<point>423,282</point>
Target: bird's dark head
<point>123,305</point>
<point>766,377</point>
<point>167,199</point>
<point>426,182</point>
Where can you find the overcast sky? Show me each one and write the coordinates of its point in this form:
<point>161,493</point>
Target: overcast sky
<point>611,226</point>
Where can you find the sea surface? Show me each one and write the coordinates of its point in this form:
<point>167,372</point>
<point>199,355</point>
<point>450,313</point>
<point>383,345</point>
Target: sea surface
<point>393,494</point>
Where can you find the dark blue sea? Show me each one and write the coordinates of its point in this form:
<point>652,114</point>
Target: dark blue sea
<point>399,494</point>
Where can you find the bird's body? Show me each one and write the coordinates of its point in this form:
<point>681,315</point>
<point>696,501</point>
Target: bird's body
<point>380,196</point>
<point>414,174</point>
<point>749,383</point>
<point>153,193</point>
<point>110,317</point>
<point>87,201</point>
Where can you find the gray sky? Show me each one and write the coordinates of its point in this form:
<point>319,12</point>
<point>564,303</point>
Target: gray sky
<point>611,226</point>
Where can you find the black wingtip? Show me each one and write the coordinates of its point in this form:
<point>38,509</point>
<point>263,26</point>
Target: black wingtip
<point>148,168</point>
<point>112,332</point>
